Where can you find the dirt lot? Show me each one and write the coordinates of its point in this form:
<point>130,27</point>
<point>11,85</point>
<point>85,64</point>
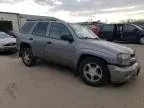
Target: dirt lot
<point>51,86</point>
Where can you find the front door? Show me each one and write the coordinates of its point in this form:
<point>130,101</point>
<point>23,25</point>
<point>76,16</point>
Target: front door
<point>58,50</point>
<point>129,33</point>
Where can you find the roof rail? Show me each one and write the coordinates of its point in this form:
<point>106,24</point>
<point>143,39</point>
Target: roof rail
<point>47,19</point>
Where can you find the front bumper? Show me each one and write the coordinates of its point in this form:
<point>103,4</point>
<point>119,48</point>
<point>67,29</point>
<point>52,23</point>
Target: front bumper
<point>122,74</point>
<point>7,48</point>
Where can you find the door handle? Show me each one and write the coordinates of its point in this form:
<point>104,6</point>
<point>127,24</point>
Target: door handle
<point>49,42</point>
<point>30,38</point>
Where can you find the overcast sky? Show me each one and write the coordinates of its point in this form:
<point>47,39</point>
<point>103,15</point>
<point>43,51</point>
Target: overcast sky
<point>78,10</point>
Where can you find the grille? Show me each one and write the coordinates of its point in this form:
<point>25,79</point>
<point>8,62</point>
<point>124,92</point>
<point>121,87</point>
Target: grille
<point>10,44</point>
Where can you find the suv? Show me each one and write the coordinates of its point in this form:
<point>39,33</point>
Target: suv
<point>73,45</point>
<point>122,32</point>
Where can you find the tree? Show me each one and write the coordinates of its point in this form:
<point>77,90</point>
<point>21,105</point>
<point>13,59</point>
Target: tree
<point>132,21</point>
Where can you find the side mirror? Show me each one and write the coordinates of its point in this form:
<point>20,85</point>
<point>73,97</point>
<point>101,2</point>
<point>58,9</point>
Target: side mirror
<point>67,38</point>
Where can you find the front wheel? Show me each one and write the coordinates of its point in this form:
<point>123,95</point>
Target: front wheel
<point>94,71</point>
<point>27,57</point>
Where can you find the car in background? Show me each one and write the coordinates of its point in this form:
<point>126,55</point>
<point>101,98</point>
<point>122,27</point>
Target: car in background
<point>7,42</point>
<point>122,32</point>
<point>12,33</point>
<point>94,29</point>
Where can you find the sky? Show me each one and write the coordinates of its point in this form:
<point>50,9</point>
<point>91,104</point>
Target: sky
<point>78,10</point>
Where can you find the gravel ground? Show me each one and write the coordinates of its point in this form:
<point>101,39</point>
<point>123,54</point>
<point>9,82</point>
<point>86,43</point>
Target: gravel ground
<point>51,86</point>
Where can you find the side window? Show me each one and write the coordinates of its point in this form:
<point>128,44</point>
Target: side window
<point>57,30</point>
<point>107,27</point>
<point>40,29</point>
<point>129,28</point>
<point>27,27</point>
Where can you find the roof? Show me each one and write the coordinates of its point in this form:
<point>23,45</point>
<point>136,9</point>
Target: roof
<point>36,17</point>
<point>58,21</point>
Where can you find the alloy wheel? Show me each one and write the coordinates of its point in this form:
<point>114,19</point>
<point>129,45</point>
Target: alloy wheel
<point>92,72</point>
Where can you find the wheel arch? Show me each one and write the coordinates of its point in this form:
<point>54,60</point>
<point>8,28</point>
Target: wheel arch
<point>84,56</point>
<point>23,45</point>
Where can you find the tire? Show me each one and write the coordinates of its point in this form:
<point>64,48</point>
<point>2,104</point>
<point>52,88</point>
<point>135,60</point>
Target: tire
<point>142,40</point>
<point>98,75</point>
<point>27,57</point>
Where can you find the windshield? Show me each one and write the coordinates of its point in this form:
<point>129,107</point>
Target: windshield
<point>3,35</point>
<point>83,32</point>
<point>140,28</point>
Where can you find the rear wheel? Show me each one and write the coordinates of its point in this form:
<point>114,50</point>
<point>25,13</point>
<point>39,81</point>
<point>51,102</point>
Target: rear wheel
<point>27,57</point>
<point>94,71</point>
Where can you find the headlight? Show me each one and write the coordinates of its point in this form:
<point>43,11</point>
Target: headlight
<point>124,59</point>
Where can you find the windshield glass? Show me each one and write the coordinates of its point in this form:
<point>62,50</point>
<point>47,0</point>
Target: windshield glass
<point>141,26</point>
<point>138,27</point>
<point>4,35</point>
<point>83,32</point>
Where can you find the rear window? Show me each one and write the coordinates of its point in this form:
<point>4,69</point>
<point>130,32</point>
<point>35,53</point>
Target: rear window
<point>107,27</point>
<point>27,27</point>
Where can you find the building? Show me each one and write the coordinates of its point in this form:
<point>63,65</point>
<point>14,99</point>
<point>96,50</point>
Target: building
<point>14,21</point>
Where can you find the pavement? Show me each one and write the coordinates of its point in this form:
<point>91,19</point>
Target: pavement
<point>50,86</point>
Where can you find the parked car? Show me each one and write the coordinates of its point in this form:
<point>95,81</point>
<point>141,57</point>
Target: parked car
<point>73,45</point>
<point>93,28</point>
<point>96,30</point>
<point>7,42</point>
<point>12,33</point>
<point>122,32</point>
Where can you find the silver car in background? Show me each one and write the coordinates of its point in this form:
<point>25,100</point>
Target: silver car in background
<point>7,42</point>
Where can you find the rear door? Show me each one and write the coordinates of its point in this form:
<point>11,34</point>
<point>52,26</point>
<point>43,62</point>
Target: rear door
<point>129,33</point>
<point>106,31</point>
<point>39,39</point>
<point>25,34</point>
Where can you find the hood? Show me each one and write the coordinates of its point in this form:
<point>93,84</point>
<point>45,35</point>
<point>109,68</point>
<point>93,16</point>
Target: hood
<point>4,41</point>
<point>106,47</point>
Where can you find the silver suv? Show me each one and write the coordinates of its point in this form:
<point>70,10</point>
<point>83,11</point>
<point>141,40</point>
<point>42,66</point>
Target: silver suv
<point>95,60</point>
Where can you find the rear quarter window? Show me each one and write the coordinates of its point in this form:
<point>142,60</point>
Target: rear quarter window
<point>27,27</point>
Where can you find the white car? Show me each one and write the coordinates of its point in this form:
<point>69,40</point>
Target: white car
<point>7,42</point>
